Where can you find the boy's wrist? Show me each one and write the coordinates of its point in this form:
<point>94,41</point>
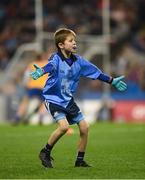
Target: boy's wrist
<point>43,71</point>
<point>111,80</point>
<point>106,78</point>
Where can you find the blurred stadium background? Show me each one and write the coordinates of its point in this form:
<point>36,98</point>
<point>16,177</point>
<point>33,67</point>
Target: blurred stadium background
<point>111,34</point>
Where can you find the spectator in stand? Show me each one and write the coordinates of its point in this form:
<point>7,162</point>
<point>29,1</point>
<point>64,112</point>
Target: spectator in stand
<point>3,58</point>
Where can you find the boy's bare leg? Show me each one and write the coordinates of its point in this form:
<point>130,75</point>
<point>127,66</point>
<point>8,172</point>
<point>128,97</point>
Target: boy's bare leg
<point>83,127</point>
<point>59,132</point>
<point>44,155</point>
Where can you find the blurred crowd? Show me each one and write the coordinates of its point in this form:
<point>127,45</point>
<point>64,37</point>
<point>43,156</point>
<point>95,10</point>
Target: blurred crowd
<point>128,46</point>
<point>17,26</point>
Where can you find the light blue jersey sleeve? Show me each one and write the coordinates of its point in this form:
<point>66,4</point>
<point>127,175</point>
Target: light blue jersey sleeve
<point>88,69</point>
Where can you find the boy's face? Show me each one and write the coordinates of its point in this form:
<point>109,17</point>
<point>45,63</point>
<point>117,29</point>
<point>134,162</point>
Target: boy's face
<point>69,44</point>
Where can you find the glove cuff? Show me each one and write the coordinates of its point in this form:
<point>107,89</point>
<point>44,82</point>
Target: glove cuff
<point>43,71</point>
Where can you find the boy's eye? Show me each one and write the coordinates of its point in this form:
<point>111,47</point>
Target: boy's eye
<point>72,40</point>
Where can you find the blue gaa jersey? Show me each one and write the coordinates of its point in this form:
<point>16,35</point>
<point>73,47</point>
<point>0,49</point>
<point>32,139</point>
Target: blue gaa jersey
<point>64,75</point>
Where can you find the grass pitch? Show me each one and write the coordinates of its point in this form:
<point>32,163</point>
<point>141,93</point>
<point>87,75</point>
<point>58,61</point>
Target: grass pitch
<point>116,151</point>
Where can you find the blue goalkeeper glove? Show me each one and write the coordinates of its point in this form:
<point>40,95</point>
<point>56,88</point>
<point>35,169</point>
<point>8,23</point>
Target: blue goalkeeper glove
<point>118,84</point>
<point>37,73</point>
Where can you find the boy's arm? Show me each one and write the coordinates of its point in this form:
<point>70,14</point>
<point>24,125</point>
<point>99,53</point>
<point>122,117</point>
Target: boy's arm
<point>91,71</point>
<point>41,71</point>
<point>116,82</point>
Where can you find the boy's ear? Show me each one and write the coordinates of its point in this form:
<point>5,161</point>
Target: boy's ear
<point>60,45</point>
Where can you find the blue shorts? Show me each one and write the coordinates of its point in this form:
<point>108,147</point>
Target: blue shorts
<point>35,93</point>
<point>72,112</point>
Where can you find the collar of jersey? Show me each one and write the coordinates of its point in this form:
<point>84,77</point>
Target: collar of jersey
<point>64,59</point>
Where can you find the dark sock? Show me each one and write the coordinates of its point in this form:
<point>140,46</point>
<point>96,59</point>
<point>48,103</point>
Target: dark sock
<point>48,148</point>
<point>80,156</point>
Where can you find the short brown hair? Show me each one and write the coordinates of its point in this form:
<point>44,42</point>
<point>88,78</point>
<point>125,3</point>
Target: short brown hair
<point>61,34</point>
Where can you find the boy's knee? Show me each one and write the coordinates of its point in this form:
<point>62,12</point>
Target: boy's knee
<point>84,130</point>
<point>64,128</point>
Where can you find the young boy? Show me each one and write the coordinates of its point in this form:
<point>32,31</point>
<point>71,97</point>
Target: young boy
<point>65,69</point>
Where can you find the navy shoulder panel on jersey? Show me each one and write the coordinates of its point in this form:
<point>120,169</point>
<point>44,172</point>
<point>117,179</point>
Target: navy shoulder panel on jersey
<point>52,56</point>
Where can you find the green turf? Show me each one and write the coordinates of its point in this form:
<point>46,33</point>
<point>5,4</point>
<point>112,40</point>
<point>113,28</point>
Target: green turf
<point>115,151</point>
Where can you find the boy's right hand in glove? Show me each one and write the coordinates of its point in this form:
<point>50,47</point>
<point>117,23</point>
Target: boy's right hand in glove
<point>118,84</point>
<point>37,73</point>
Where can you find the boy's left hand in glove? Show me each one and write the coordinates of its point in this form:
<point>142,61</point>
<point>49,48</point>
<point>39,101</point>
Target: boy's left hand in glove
<point>118,84</point>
